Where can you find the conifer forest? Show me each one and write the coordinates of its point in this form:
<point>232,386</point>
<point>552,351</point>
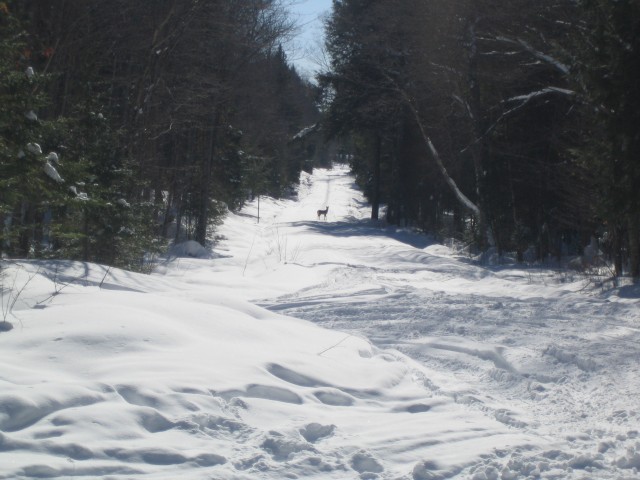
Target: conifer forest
<point>509,126</point>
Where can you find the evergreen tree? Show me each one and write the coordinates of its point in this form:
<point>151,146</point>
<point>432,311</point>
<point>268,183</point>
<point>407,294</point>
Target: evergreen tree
<point>149,112</point>
<point>607,66</point>
<point>30,171</point>
<point>363,41</point>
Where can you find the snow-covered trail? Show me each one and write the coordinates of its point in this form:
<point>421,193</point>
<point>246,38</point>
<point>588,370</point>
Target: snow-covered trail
<point>430,368</point>
<point>531,349</point>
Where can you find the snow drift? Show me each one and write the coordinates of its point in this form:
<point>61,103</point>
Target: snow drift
<point>411,363</point>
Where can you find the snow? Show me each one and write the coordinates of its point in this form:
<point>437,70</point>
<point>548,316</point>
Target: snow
<point>190,248</point>
<point>52,173</point>
<point>300,348</point>
<point>304,132</point>
<point>53,157</point>
<point>538,93</point>
<point>554,62</point>
<point>34,148</point>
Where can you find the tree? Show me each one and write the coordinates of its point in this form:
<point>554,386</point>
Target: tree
<point>153,113</point>
<point>30,183</point>
<point>483,87</point>
<point>607,66</point>
<point>364,52</point>
<point>374,48</point>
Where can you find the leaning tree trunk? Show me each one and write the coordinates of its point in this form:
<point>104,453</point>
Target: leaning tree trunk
<point>435,155</point>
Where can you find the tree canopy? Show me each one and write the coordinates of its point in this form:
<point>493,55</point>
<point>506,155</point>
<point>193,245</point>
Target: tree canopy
<point>505,124</point>
<point>156,114</point>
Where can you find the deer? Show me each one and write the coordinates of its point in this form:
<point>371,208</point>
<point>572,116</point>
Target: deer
<point>323,212</point>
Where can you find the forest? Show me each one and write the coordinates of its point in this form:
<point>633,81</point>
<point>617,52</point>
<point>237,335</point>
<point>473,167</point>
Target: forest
<point>125,125</point>
<point>511,126</point>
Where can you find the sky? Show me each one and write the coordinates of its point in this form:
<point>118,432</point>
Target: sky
<point>318,349</point>
<point>304,49</point>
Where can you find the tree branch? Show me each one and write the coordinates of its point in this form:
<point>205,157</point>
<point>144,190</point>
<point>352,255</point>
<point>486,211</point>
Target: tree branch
<point>554,62</point>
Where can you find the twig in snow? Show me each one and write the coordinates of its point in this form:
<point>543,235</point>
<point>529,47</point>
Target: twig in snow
<point>14,295</point>
<point>104,278</point>
<point>246,262</point>
<point>333,346</point>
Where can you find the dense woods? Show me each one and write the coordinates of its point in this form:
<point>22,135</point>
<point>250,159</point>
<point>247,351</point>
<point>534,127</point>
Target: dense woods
<point>124,125</point>
<point>512,126</point>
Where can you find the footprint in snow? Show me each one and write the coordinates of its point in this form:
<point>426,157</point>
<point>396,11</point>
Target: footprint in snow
<point>282,448</point>
<point>314,432</point>
<point>364,463</point>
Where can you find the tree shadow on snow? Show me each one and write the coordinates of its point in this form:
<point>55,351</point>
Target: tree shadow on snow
<point>352,227</point>
<point>629,291</point>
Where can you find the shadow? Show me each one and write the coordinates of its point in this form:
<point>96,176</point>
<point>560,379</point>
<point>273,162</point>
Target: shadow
<point>352,227</point>
<point>69,272</point>
<point>246,215</point>
<point>629,291</point>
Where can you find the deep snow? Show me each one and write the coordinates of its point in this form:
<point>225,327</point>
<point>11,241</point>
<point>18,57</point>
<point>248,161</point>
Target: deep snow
<point>403,361</point>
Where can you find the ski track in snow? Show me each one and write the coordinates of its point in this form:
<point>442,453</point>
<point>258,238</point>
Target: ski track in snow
<point>426,366</point>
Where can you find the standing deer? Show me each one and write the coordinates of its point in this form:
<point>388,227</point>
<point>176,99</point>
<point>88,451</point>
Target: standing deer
<point>323,212</point>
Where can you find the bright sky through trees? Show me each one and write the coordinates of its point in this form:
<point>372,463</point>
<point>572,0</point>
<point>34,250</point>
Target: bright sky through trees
<point>304,51</point>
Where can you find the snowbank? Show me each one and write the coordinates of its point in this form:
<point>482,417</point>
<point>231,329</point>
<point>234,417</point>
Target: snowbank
<point>410,364</point>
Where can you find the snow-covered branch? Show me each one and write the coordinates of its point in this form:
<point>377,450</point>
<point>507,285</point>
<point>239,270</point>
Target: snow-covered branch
<point>52,173</point>
<point>554,62</point>
<point>539,93</point>
<point>305,131</point>
<point>522,100</point>
<point>435,155</point>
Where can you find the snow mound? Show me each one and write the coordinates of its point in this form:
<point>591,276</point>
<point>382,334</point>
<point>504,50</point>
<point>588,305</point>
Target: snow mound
<point>129,382</point>
<point>413,364</point>
<point>190,248</point>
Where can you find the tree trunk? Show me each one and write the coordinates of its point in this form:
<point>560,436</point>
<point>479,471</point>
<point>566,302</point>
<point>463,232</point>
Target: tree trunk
<point>617,250</point>
<point>26,230</point>
<point>479,149</point>
<point>375,188</point>
<point>451,183</point>
<point>634,246</point>
<point>85,235</point>
<point>178,221</point>
<point>205,190</point>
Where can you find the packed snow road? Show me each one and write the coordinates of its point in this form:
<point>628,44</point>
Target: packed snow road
<point>542,352</point>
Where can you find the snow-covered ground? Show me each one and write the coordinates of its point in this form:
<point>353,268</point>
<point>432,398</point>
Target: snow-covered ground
<point>334,349</point>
